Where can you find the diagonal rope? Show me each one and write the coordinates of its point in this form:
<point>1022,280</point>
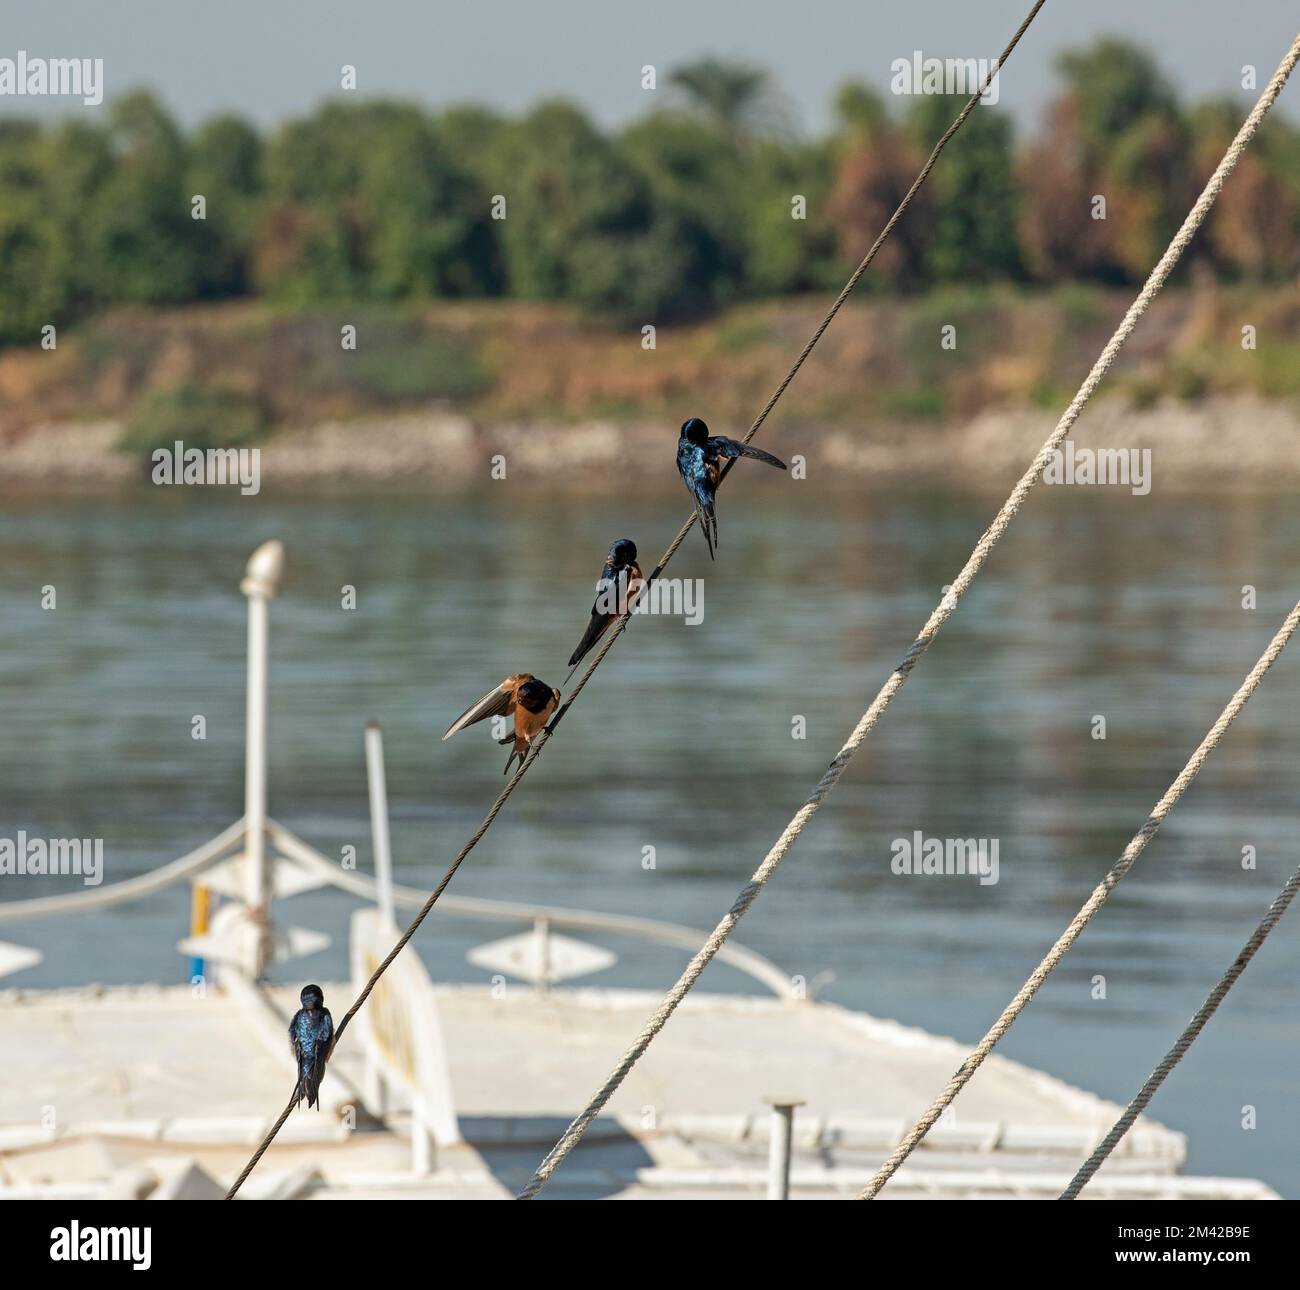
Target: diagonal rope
<point>1158,275</point>
<point>1185,1040</point>
<point>617,630</point>
<point>749,893</point>
<point>1099,895</point>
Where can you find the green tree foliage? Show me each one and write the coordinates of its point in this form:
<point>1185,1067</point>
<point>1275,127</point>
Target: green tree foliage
<point>876,166</point>
<point>225,168</point>
<point>689,208</point>
<point>697,186</point>
<point>365,202</point>
<point>141,246</point>
<point>739,98</point>
<point>1116,133</point>
<point>34,274</point>
<point>579,223</point>
<point>975,196</point>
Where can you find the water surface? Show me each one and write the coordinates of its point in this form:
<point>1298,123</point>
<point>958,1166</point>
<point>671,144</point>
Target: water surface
<point>1097,604</point>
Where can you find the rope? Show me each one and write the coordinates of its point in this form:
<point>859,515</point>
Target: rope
<point>1135,848</point>
<point>392,954</point>
<point>1127,859</point>
<point>617,630</point>
<point>1185,1040</point>
<point>942,612</point>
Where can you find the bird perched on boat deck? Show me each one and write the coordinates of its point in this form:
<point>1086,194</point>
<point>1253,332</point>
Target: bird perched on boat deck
<point>699,462</point>
<point>620,583</point>
<point>530,700</point>
<point>311,1032</point>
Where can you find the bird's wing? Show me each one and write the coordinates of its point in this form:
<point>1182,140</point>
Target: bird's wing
<point>294,1046</point>
<point>499,702</point>
<point>599,621</point>
<point>734,448</point>
<point>701,483</point>
<point>693,466</point>
<point>608,577</point>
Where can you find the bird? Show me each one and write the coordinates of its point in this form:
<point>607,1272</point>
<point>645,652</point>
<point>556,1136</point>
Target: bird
<point>311,1033</point>
<point>699,462</point>
<point>530,700</point>
<point>620,583</point>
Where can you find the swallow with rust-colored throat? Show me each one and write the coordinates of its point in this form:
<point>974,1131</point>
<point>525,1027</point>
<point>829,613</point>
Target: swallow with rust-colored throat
<point>621,582</point>
<point>530,701</point>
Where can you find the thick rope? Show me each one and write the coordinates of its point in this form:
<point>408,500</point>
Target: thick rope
<point>1094,902</point>
<point>1136,845</point>
<point>749,893</point>
<point>1013,1010</point>
<point>1185,1040</point>
<point>617,630</point>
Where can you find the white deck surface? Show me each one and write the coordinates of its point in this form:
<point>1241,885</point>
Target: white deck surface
<point>105,1088</point>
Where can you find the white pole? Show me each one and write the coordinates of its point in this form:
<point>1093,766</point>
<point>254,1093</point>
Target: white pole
<point>778,1151</point>
<point>260,584</point>
<point>379,820</point>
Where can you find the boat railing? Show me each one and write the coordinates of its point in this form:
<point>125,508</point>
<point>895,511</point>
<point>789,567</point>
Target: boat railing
<point>257,860</point>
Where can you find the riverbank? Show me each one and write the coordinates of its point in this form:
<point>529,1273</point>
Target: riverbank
<point>1240,441</point>
<point>959,385</point>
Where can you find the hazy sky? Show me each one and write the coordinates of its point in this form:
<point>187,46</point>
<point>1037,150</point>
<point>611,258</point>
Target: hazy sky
<point>272,58</point>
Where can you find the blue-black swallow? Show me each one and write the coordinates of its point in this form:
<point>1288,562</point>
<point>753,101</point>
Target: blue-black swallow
<point>310,1034</point>
<point>699,462</point>
<point>530,700</point>
<point>620,583</point>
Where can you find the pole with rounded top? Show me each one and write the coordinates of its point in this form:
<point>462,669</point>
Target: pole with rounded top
<point>260,584</point>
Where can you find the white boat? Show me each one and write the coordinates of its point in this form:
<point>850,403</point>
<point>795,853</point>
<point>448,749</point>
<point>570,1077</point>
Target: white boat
<point>457,1091</point>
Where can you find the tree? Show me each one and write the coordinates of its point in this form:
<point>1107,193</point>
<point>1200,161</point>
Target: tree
<point>974,192</point>
<point>367,202</point>
<point>695,180</point>
<point>1253,230</point>
<point>142,247</point>
<point>1130,146</point>
<point>34,274</point>
<point>738,97</point>
<point>225,166</point>
<point>580,224</point>
<point>1116,84</point>
<point>876,168</point>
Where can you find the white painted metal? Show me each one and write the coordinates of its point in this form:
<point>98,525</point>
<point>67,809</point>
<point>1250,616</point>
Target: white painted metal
<point>14,958</point>
<point>778,1148</point>
<point>287,878</point>
<point>259,586</point>
<point>541,957</point>
<point>379,820</point>
<point>402,1033</point>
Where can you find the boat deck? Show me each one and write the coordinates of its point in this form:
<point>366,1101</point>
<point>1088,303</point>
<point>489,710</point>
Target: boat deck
<point>109,1089</point>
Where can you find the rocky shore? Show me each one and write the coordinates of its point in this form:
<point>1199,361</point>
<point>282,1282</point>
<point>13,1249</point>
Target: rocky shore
<point>1226,440</point>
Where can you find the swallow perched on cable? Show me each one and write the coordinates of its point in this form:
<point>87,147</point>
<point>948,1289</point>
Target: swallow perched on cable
<point>530,700</point>
<point>311,1032</point>
<point>620,583</point>
<point>699,462</point>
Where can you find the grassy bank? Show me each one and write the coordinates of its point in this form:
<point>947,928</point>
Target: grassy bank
<point>245,374</point>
